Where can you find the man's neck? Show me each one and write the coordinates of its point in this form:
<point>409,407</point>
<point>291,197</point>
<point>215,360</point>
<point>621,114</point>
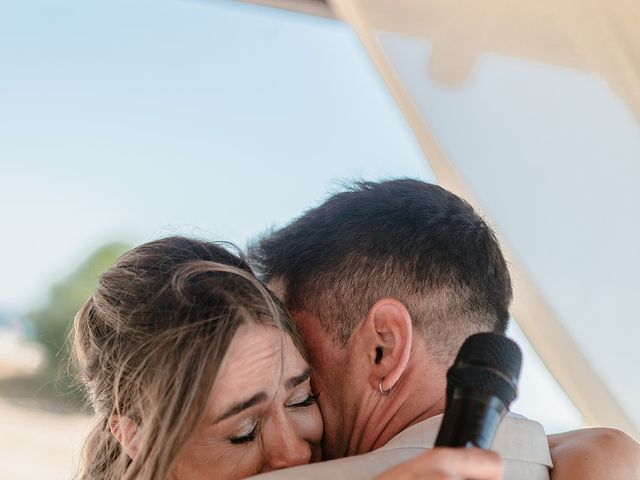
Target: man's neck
<point>419,395</point>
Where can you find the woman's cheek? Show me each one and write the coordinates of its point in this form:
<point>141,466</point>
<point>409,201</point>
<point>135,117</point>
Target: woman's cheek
<point>216,462</point>
<point>245,462</point>
<point>242,461</point>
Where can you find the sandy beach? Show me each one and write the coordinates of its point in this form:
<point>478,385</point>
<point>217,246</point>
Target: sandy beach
<point>36,444</point>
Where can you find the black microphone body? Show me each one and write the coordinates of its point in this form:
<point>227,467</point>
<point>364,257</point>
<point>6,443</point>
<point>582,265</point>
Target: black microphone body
<point>471,421</point>
<point>481,385</point>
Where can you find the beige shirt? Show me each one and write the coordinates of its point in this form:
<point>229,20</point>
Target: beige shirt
<point>521,442</point>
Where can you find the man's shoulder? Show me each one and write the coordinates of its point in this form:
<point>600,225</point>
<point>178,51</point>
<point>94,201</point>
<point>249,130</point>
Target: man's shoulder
<point>521,442</point>
<point>357,467</point>
<point>517,439</point>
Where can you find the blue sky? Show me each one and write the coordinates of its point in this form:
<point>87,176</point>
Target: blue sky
<point>132,120</point>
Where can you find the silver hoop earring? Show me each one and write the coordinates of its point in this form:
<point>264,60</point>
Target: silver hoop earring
<point>383,392</point>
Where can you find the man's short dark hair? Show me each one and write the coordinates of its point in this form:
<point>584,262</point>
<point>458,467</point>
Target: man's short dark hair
<point>403,238</point>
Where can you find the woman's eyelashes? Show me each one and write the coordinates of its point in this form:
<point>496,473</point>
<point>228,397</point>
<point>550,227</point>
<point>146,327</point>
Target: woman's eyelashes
<point>246,438</point>
<point>310,399</point>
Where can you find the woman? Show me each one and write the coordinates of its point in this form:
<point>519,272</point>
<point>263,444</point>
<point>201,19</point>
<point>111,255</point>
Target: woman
<point>195,371</point>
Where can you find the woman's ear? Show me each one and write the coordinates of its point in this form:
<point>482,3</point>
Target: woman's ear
<point>125,432</point>
<point>390,343</point>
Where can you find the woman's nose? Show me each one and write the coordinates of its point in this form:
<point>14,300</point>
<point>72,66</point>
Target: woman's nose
<point>284,447</point>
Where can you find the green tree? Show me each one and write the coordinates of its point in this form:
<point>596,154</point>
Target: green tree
<point>54,320</point>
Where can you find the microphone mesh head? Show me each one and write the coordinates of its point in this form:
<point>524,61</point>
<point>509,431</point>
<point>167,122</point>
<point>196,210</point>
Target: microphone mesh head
<point>489,363</point>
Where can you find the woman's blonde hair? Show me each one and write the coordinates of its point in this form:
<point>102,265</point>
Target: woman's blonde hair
<point>149,343</point>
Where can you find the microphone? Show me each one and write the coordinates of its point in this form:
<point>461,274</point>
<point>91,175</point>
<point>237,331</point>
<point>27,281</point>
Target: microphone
<point>481,385</point>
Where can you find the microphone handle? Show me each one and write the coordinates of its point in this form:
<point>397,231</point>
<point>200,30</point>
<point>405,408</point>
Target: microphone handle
<point>470,420</point>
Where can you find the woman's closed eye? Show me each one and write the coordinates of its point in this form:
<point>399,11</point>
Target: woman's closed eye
<point>310,399</point>
<point>243,438</point>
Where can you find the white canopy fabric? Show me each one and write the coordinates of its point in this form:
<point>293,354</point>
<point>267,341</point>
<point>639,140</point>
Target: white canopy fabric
<point>531,110</point>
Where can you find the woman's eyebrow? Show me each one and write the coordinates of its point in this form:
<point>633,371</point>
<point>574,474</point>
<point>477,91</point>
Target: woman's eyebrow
<point>298,379</point>
<point>260,397</point>
<point>238,407</point>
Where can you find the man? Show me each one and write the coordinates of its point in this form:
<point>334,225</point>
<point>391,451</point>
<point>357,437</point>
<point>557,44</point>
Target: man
<point>385,281</point>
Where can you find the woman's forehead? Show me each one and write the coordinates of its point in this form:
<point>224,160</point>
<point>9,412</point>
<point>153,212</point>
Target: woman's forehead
<point>259,358</point>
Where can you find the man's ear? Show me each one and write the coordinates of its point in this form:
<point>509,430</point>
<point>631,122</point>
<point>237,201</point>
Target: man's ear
<point>125,431</point>
<point>389,342</point>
